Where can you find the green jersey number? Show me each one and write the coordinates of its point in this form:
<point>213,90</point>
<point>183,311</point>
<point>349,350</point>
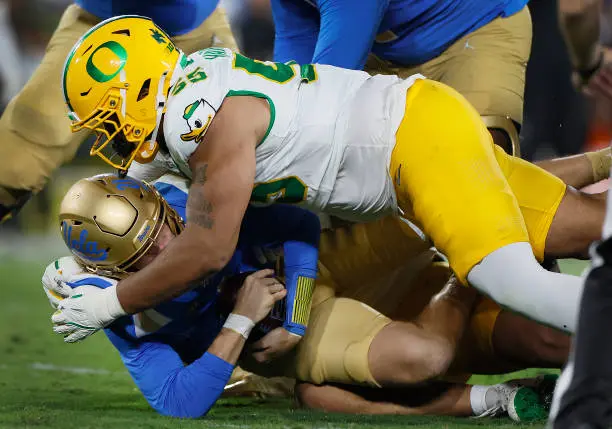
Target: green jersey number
<point>286,190</point>
<point>275,72</point>
<point>193,77</point>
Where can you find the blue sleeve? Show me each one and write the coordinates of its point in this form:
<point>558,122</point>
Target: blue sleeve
<point>347,31</point>
<point>301,255</point>
<point>296,26</point>
<point>299,231</point>
<point>175,197</point>
<point>171,388</point>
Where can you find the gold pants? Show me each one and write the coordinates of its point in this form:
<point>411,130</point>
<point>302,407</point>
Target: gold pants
<point>486,66</point>
<point>371,274</point>
<point>35,136</point>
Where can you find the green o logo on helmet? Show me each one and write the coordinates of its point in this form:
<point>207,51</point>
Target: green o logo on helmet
<point>97,74</point>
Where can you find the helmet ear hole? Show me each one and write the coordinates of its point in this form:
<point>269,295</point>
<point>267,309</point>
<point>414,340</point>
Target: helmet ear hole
<point>144,90</point>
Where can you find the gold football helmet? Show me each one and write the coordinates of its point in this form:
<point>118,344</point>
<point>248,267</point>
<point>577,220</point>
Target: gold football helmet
<point>115,83</point>
<point>109,222</point>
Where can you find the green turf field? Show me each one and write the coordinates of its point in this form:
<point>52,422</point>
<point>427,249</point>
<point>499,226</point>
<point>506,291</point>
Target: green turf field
<point>45,383</point>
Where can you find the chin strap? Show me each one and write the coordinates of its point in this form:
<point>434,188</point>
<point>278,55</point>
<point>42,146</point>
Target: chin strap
<point>149,149</point>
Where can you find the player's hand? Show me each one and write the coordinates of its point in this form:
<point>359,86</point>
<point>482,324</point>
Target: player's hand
<point>258,294</point>
<point>598,88</point>
<point>55,277</point>
<point>601,82</point>
<point>274,344</point>
<point>92,305</point>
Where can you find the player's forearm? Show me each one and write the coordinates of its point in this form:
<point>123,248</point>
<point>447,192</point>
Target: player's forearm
<point>171,387</point>
<point>579,21</point>
<point>347,31</point>
<point>574,170</point>
<point>301,264</point>
<point>227,346</point>
<point>186,259</point>
<point>191,391</point>
<point>580,170</point>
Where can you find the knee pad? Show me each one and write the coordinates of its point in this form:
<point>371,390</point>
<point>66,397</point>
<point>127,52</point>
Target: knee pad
<point>510,131</point>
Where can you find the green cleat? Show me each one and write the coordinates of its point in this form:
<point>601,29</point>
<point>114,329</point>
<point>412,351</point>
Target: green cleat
<point>527,404</point>
<point>524,405</point>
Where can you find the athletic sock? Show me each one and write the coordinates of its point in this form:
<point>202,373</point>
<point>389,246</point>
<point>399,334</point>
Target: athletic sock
<point>483,398</point>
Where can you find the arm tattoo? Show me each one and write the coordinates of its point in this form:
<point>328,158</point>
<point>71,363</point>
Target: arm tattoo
<point>199,209</point>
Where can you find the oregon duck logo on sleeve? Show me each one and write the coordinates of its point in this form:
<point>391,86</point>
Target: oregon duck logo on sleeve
<point>198,116</point>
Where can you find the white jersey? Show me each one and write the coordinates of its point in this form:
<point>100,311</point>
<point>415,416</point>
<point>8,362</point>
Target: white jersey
<point>330,136</point>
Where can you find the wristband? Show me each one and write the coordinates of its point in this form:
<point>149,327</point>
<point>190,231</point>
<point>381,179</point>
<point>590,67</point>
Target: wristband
<point>601,161</point>
<point>239,324</point>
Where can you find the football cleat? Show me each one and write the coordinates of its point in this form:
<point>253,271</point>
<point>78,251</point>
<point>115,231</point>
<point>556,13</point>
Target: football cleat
<point>528,404</point>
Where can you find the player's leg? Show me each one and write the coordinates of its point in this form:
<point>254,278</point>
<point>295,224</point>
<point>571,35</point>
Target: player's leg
<point>214,31</point>
<point>583,398</point>
<point>528,344</point>
<point>413,352</point>
<point>35,136</point>
<point>576,225</point>
<point>561,221</point>
<point>349,342</point>
<point>448,177</point>
<point>498,341</point>
<point>434,399</point>
<point>487,67</point>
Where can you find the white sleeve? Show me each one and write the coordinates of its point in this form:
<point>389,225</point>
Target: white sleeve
<point>161,164</point>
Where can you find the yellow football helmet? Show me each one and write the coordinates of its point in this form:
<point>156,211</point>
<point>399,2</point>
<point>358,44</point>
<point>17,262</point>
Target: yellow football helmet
<point>109,222</point>
<point>115,83</point>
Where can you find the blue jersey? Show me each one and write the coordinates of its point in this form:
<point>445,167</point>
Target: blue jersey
<point>407,32</point>
<point>174,16</point>
<point>164,349</point>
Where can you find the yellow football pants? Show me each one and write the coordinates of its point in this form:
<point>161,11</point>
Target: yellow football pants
<point>464,193</point>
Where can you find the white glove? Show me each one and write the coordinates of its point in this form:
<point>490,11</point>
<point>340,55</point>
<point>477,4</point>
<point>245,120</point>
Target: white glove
<point>91,306</point>
<point>58,272</point>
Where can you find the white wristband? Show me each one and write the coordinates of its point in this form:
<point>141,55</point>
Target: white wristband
<point>240,324</point>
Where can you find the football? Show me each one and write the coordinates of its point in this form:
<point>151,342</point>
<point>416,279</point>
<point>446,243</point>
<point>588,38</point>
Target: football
<point>226,299</point>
